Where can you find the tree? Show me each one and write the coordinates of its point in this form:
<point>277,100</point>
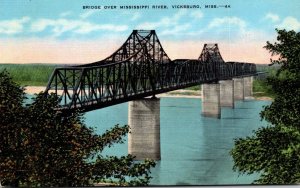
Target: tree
<point>40,147</point>
<point>274,151</point>
<point>11,115</point>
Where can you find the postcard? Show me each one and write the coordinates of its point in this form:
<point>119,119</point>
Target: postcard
<point>186,76</point>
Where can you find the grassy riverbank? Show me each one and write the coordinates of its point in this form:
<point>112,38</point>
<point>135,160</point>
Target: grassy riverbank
<point>29,74</point>
<point>260,86</point>
<point>261,89</point>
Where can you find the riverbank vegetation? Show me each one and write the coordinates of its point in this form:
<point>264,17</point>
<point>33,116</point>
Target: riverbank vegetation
<point>43,148</point>
<point>274,151</point>
<point>261,87</point>
<point>29,74</point>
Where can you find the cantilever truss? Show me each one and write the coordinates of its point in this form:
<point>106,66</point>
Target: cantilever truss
<point>139,68</point>
<point>211,54</point>
<point>144,41</point>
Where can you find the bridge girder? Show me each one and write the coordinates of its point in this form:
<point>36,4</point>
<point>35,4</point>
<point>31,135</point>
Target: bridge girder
<point>139,68</point>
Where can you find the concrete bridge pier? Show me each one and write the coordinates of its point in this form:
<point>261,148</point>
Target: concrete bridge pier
<point>227,93</point>
<point>211,100</point>
<point>238,88</point>
<point>248,84</point>
<point>144,123</point>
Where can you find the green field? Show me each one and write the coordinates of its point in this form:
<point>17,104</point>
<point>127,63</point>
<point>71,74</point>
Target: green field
<point>29,74</point>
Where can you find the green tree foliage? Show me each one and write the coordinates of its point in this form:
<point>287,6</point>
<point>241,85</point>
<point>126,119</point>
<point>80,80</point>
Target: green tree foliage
<point>40,147</point>
<point>274,151</point>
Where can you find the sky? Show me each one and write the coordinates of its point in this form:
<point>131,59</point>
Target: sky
<point>71,32</point>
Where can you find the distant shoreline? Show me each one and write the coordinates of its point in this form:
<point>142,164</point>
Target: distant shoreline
<point>181,93</point>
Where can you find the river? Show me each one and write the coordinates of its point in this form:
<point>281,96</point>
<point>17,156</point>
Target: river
<point>194,149</point>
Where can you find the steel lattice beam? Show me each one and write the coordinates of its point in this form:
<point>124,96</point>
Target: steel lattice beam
<point>139,68</point>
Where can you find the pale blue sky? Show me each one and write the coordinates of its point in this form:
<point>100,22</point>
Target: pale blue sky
<point>62,19</point>
<point>59,20</point>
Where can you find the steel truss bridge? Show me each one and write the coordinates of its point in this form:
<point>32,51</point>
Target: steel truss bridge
<point>139,68</point>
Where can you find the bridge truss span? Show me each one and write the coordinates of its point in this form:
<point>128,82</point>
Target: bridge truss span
<point>139,68</point>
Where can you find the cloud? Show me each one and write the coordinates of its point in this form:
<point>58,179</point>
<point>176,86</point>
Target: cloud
<point>10,27</point>
<point>176,30</point>
<point>60,26</point>
<point>41,25</point>
<point>179,15</point>
<point>163,22</point>
<point>272,17</point>
<point>175,25</point>
<point>196,14</point>
<point>135,16</point>
<point>149,25</point>
<point>230,28</point>
<point>227,21</point>
<point>88,27</point>
<point>289,23</point>
<point>87,14</point>
<point>65,14</point>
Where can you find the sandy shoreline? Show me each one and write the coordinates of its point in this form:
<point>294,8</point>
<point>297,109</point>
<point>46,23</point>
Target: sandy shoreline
<point>34,89</point>
<point>192,94</point>
<point>181,93</point>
